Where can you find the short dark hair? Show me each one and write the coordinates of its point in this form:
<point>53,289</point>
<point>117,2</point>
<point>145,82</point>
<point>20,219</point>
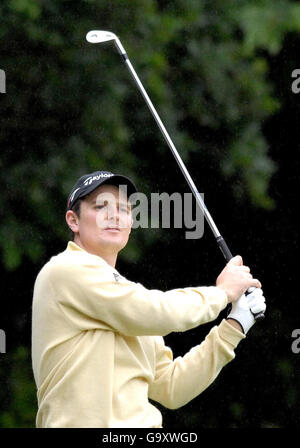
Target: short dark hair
<point>76,207</point>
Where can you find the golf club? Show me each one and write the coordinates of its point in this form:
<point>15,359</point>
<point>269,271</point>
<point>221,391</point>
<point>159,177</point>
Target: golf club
<point>96,36</point>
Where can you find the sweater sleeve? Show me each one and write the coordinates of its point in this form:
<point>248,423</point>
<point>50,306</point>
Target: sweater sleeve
<point>178,381</point>
<point>90,297</point>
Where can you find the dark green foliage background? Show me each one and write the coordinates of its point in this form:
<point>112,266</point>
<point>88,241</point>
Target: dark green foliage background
<point>219,73</point>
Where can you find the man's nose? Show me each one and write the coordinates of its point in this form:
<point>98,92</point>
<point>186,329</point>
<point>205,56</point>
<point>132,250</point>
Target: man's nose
<point>113,213</point>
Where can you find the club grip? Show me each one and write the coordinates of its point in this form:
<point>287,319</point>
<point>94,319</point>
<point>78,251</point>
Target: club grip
<point>224,248</point>
<point>259,316</point>
<point>228,255</point>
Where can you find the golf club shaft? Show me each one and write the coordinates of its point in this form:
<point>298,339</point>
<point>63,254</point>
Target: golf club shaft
<point>174,151</point>
<point>219,239</point>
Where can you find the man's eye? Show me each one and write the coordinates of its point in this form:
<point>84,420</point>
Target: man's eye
<point>124,210</point>
<point>99,207</point>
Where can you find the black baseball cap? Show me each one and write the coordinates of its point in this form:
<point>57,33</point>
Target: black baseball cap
<point>89,182</point>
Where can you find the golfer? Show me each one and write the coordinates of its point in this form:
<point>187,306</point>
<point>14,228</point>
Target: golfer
<point>98,351</point>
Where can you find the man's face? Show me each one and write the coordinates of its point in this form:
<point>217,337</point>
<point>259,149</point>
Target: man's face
<point>105,220</point>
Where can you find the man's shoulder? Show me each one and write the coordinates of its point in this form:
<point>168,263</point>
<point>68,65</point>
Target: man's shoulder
<point>69,260</point>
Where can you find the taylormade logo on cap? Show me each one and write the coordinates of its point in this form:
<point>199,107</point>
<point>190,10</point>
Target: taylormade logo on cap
<point>91,179</point>
<point>87,183</point>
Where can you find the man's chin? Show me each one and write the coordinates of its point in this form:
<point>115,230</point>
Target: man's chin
<point>113,243</point>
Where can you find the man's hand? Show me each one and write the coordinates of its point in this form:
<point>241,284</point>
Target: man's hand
<point>243,309</point>
<point>235,279</point>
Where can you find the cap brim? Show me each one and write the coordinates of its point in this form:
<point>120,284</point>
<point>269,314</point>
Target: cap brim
<point>119,179</point>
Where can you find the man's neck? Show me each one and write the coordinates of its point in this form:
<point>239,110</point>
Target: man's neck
<point>108,256</point>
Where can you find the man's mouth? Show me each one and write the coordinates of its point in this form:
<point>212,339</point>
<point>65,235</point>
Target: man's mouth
<point>113,229</point>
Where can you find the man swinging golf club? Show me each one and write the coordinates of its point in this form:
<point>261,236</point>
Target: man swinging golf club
<point>98,351</point>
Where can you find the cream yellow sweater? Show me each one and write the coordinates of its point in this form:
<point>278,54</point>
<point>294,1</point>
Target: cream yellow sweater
<point>98,352</point>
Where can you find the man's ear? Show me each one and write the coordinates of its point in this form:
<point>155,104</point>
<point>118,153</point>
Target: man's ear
<point>72,221</point>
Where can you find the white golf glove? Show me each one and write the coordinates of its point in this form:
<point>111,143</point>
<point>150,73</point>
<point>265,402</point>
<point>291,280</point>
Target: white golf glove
<point>245,307</point>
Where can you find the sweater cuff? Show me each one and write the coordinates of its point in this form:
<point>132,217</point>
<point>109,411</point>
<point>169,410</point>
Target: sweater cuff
<point>222,294</point>
<point>229,333</point>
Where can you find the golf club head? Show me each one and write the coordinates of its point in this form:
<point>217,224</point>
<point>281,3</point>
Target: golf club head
<point>96,36</point>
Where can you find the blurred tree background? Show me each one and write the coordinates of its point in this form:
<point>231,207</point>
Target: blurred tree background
<point>219,74</point>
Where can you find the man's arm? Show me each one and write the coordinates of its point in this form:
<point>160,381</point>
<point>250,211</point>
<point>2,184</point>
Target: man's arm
<point>89,295</point>
<point>86,291</point>
<point>177,382</point>
<point>235,324</point>
<point>180,380</point>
